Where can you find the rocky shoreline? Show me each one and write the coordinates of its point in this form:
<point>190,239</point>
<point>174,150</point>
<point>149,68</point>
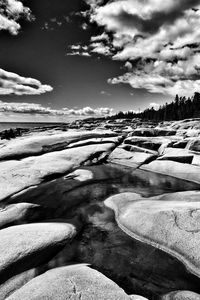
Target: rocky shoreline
<point>101,209</point>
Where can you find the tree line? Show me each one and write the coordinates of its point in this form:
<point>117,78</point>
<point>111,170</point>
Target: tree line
<point>180,108</point>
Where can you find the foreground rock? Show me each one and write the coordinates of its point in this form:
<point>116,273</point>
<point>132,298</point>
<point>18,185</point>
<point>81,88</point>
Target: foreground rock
<point>26,246</point>
<point>72,282</point>
<point>169,222</point>
<point>20,213</point>
<point>175,169</point>
<point>18,175</point>
<point>181,295</point>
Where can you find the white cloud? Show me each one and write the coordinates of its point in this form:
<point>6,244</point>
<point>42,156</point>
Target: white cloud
<point>160,39</point>
<point>156,83</point>
<point>128,65</point>
<point>88,111</point>
<point>12,83</point>
<point>102,37</point>
<point>35,108</point>
<point>100,48</point>
<point>10,14</point>
<point>155,106</point>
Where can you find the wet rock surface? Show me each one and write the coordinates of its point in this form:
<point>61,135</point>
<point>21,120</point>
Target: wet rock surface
<point>101,209</point>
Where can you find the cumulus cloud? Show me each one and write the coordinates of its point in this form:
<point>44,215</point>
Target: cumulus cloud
<point>11,11</point>
<point>101,37</point>
<point>78,50</point>
<point>160,39</point>
<point>88,111</point>
<point>35,108</point>
<point>12,83</point>
<point>100,48</point>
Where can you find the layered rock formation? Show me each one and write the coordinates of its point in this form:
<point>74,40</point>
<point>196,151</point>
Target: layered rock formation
<point>97,193</point>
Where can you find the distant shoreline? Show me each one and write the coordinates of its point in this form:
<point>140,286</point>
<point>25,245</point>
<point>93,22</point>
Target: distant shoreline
<point>14,125</point>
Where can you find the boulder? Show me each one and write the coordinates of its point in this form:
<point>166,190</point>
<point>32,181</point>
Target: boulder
<point>71,282</point>
<point>20,213</point>
<point>175,169</point>
<point>181,295</point>
<point>18,175</point>
<point>26,246</point>
<point>131,159</point>
<point>169,222</point>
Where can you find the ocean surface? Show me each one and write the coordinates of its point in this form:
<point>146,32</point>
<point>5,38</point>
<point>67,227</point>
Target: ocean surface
<point>8,125</point>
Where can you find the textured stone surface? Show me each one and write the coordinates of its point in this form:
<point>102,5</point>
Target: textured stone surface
<point>170,222</point>
<point>127,158</point>
<point>181,295</point>
<point>19,213</point>
<point>18,175</point>
<point>178,155</point>
<point>26,246</point>
<point>175,169</point>
<point>72,282</point>
<point>35,144</point>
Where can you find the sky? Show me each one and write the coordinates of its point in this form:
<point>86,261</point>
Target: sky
<point>67,59</point>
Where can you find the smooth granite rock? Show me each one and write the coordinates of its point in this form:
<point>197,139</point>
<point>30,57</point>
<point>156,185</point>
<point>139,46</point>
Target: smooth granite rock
<point>169,222</point>
<point>178,155</point>
<point>127,158</point>
<point>71,282</point>
<point>25,246</point>
<point>36,144</point>
<point>20,213</point>
<point>175,169</point>
<point>18,175</point>
<point>181,295</point>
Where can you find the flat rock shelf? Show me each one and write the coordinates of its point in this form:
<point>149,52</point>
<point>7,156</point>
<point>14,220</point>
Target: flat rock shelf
<point>103,210</point>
